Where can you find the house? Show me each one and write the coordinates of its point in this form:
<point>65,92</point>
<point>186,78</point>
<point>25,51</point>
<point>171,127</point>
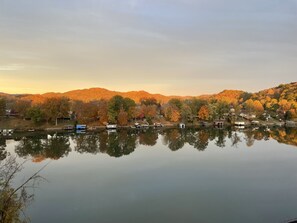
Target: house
<point>239,123</point>
<point>218,123</point>
<point>182,125</point>
<point>111,126</point>
<point>255,122</point>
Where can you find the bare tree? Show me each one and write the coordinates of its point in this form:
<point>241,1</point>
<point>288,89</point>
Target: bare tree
<point>14,200</point>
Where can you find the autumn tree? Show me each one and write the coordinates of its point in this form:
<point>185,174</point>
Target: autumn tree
<point>284,105</point>
<point>21,107</point>
<point>55,108</point>
<point>103,111</point>
<point>204,113</point>
<point>146,111</point>
<point>194,104</point>
<point>272,105</point>
<point>117,103</point>
<point>171,113</point>
<point>186,113</point>
<point>87,112</point>
<point>254,106</point>
<point>122,117</point>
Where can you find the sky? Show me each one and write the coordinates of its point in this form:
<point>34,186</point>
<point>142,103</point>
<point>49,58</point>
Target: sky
<point>173,47</point>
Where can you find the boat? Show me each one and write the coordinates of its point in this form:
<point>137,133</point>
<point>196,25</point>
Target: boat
<point>81,127</point>
<point>68,127</point>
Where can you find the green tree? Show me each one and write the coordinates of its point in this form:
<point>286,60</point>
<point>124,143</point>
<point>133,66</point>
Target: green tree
<point>117,103</point>
<point>288,115</point>
<point>36,114</point>
<point>221,108</point>
<point>148,101</point>
<point>175,102</point>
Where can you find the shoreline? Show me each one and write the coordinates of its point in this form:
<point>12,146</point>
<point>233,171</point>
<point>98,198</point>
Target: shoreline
<point>62,129</point>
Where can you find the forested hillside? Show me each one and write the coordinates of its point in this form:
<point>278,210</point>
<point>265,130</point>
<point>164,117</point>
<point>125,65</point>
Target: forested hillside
<point>101,106</point>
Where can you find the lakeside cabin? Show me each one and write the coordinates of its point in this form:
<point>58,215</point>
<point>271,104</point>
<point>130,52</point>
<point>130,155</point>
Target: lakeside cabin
<point>218,123</point>
<point>182,125</point>
<point>111,126</point>
<point>6,131</point>
<point>239,123</point>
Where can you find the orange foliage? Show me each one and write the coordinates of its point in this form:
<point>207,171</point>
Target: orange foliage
<point>123,118</point>
<point>204,113</point>
<point>255,106</point>
<point>284,104</point>
<point>229,96</point>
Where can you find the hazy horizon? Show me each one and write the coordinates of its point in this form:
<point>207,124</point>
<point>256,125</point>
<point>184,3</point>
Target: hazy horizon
<point>169,47</point>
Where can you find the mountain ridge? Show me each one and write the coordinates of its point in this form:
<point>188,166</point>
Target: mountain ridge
<point>97,93</point>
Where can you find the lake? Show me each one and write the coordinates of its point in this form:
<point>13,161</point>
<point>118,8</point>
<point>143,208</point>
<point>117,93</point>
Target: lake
<point>163,175</point>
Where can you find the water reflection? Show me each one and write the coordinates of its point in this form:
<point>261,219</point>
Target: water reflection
<point>124,142</point>
<point>40,148</point>
<point>3,152</point>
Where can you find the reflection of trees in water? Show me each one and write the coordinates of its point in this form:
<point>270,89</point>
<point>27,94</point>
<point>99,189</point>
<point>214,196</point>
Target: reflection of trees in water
<point>249,138</point>
<point>235,139</point>
<point>287,136</point>
<point>174,139</point>
<point>41,148</point>
<point>148,137</point>
<point>86,143</point>
<point>120,143</point>
<point>220,138</point>
<point>3,152</point>
<point>57,147</point>
<point>124,142</point>
<point>30,146</point>
<point>103,141</point>
<point>198,139</point>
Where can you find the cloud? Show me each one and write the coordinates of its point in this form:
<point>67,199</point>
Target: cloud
<point>17,67</point>
<point>12,67</point>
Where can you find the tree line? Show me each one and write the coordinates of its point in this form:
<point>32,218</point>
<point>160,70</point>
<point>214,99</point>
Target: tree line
<point>123,111</point>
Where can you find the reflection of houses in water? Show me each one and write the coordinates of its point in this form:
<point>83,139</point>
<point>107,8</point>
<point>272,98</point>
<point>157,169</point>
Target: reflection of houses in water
<point>109,131</point>
<point>111,126</point>
<point>218,123</point>
<point>6,131</point>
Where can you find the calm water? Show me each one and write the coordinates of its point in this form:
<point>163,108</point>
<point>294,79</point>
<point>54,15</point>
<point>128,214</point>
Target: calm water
<point>167,175</point>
